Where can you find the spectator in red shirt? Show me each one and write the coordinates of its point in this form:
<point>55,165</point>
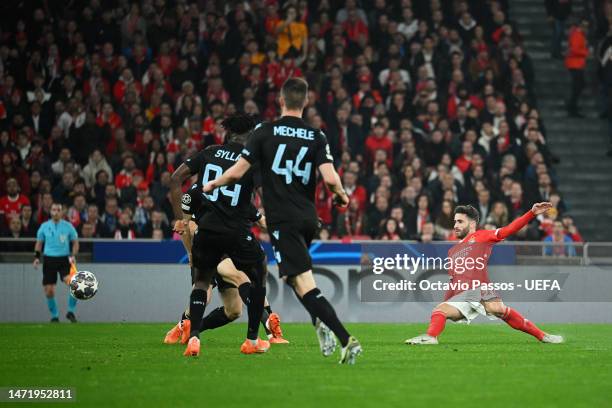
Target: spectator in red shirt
<point>352,222</point>
<point>125,176</point>
<point>109,117</point>
<point>355,28</point>
<point>323,203</point>
<point>355,191</point>
<point>464,162</point>
<point>570,228</point>
<point>11,170</point>
<point>379,140</point>
<point>122,84</point>
<point>575,62</point>
<point>158,165</point>
<point>13,201</point>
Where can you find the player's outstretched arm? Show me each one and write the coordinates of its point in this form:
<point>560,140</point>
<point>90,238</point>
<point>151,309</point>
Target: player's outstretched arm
<point>230,176</point>
<point>332,180</point>
<point>176,181</point>
<point>516,225</point>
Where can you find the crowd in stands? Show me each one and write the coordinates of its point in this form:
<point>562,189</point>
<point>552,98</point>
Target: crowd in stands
<point>425,103</point>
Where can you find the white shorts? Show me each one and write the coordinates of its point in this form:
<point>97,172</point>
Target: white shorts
<point>469,305</point>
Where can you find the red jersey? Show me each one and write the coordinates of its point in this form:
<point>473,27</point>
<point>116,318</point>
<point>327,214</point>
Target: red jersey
<point>470,256</point>
<point>12,207</point>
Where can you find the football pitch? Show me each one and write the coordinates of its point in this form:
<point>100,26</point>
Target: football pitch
<point>127,365</point>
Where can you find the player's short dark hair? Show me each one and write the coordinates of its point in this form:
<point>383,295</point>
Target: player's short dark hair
<point>238,126</point>
<point>469,211</point>
<point>294,92</point>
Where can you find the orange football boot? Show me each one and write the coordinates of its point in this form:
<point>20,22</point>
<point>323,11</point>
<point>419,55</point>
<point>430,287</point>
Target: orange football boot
<point>186,328</point>
<point>273,324</point>
<point>249,348</point>
<point>193,347</point>
<point>174,335</point>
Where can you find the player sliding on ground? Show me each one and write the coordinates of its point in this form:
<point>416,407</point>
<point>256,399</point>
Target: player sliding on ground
<point>223,230</point>
<point>227,279</point>
<point>289,152</point>
<point>468,304</point>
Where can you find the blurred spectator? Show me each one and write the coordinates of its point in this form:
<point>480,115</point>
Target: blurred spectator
<point>575,62</point>
<point>11,170</point>
<point>110,217</point>
<point>12,203</point>
<point>570,228</point>
<point>29,226</point>
<point>558,11</point>
<point>125,227</point>
<point>389,230</point>
<point>445,222</point>
<point>96,163</point>
<point>377,215</point>
<point>290,32</point>
<point>157,222</point>
<point>562,243</point>
<point>427,233</point>
<point>14,228</point>
<point>95,227</point>
<point>352,222</point>
<point>419,218</point>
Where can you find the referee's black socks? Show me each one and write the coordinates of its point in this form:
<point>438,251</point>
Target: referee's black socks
<point>318,306</point>
<point>197,305</point>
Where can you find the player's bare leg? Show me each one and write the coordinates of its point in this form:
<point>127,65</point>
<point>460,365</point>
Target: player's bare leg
<point>515,320</point>
<point>230,311</point>
<point>439,315</point>
<point>317,305</point>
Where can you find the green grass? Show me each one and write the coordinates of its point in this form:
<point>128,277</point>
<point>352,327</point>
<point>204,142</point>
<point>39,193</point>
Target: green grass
<point>488,365</point>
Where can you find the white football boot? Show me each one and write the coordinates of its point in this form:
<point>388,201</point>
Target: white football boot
<point>327,340</point>
<point>422,339</point>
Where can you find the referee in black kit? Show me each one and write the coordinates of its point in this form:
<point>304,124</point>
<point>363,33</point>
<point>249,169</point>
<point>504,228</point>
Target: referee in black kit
<point>57,235</point>
<point>289,153</point>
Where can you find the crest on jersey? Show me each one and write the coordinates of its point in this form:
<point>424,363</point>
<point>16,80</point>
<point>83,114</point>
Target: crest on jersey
<point>186,199</point>
<point>472,240</point>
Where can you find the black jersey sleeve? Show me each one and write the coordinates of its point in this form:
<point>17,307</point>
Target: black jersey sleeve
<point>195,162</point>
<point>252,150</point>
<point>323,153</point>
<point>190,200</point>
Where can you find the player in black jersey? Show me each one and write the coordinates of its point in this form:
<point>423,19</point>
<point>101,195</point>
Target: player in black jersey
<point>224,229</point>
<point>288,153</point>
<point>227,280</point>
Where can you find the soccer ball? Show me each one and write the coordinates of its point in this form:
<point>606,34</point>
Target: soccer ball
<point>83,285</point>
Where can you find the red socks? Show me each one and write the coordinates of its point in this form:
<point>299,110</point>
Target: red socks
<point>437,323</point>
<point>518,322</point>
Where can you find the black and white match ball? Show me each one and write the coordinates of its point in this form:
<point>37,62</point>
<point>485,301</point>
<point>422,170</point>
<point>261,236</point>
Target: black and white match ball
<point>83,285</point>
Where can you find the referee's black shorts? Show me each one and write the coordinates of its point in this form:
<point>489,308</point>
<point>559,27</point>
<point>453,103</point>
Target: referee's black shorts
<point>52,266</point>
<point>290,242</point>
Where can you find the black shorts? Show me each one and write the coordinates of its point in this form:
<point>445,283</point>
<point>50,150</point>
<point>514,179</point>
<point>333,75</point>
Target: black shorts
<point>290,241</point>
<point>216,282</point>
<point>220,284</point>
<point>211,247</point>
<point>52,265</point>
